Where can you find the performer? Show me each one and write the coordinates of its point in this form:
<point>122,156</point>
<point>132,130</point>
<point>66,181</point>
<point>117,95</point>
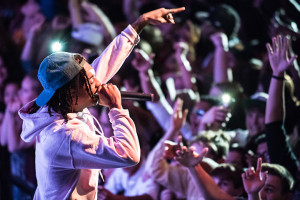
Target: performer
<point>70,150</point>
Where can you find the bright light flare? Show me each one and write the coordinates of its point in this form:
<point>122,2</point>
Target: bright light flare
<point>56,46</point>
<point>226,99</point>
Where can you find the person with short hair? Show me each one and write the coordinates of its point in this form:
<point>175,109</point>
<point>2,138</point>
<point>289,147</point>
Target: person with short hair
<point>279,183</point>
<point>236,155</point>
<point>229,178</point>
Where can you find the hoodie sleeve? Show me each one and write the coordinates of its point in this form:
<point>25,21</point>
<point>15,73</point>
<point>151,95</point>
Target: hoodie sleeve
<point>112,58</point>
<point>92,151</point>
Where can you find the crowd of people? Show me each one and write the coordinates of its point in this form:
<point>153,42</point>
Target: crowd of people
<point>225,119</point>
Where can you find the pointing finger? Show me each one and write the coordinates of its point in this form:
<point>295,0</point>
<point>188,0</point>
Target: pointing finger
<point>258,165</point>
<point>176,10</point>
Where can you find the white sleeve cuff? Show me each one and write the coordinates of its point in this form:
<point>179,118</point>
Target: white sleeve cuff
<point>131,34</point>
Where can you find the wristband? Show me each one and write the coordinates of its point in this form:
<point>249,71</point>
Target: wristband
<point>278,78</point>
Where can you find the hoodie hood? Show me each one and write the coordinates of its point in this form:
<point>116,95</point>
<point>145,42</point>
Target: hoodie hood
<point>34,123</point>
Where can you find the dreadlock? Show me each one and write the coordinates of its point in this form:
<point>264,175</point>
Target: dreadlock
<point>62,100</point>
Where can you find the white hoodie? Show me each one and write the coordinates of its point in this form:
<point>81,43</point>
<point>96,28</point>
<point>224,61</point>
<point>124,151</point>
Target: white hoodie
<point>69,155</point>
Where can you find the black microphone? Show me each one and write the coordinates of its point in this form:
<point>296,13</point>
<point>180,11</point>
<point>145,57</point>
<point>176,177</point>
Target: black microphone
<point>136,96</point>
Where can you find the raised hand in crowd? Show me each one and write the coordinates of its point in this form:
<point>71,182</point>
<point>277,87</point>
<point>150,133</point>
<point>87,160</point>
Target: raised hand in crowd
<point>181,49</point>
<point>204,182</point>
<point>28,50</point>
<point>60,22</point>
<point>36,28</point>
<point>220,40</point>
<point>95,14</point>
<point>187,156</point>
<point>254,180</point>
<point>32,15</point>
<point>280,60</point>
<point>177,120</point>
<point>214,118</point>
<point>181,53</point>
<point>279,57</point>
<point>142,62</point>
<point>171,148</point>
<point>222,72</point>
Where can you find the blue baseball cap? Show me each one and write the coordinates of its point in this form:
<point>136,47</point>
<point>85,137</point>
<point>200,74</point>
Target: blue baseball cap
<point>55,71</point>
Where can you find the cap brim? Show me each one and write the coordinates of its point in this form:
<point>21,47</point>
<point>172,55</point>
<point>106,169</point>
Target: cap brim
<point>44,97</point>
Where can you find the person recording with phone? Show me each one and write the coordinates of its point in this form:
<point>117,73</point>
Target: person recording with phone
<point>70,148</point>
